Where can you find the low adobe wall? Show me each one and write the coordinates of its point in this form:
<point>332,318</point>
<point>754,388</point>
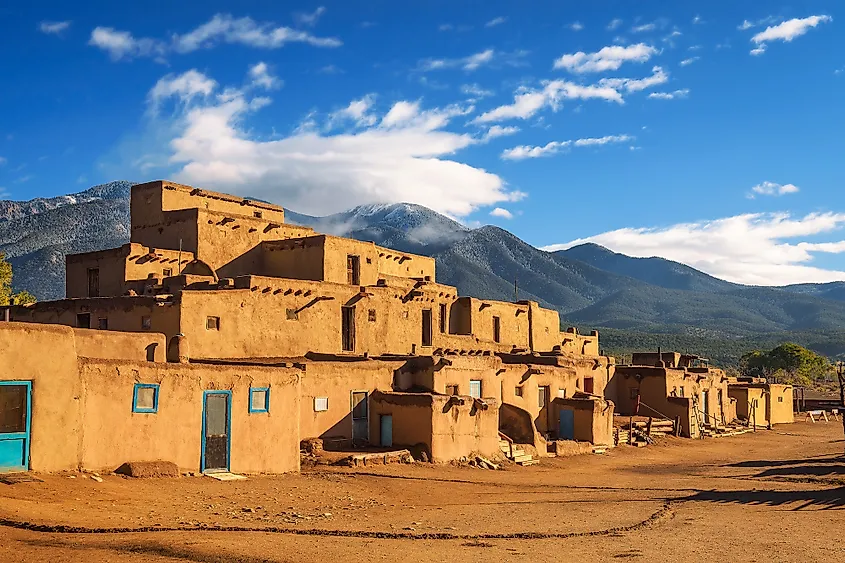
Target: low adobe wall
<point>780,405</point>
<point>136,346</point>
<point>112,434</point>
<point>592,417</point>
<point>449,427</point>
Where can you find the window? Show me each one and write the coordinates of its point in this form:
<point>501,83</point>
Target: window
<point>292,314</point>
<point>543,396</point>
<point>146,322</point>
<point>83,320</point>
<point>442,318</point>
<point>404,314</point>
<point>426,327</point>
<point>371,315</point>
<point>259,399</point>
<point>212,323</point>
<point>13,408</point>
<point>635,392</point>
<point>103,323</point>
<point>497,329</point>
<point>359,405</point>
<point>681,391</point>
<point>589,385</point>
<point>369,260</point>
<point>348,328</point>
<point>321,404</point>
<point>452,390</point>
<point>256,214</point>
<point>561,393</point>
<point>145,398</point>
<point>518,391</point>
<point>353,270</point>
<point>780,399</point>
<point>475,388</point>
<point>167,272</point>
<point>93,282</point>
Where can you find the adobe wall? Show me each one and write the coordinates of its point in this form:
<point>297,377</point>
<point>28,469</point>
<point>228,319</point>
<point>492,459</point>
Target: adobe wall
<point>298,258</point>
<point>405,265</point>
<point>112,434</point>
<point>513,320</point>
<point>521,384</point>
<point>585,345</point>
<point>413,419</point>
<point>335,254</point>
<point>593,419</point>
<point>335,381</point>
<point>166,230</point>
<point>46,355</point>
<point>780,410</point>
<point>545,327</point>
<point>109,344</point>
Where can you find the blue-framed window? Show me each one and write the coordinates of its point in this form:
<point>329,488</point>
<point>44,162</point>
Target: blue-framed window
<point>259,399</point>
<point>145,398</point>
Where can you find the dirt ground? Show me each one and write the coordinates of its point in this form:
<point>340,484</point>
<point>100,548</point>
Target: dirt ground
<point>771,496</point>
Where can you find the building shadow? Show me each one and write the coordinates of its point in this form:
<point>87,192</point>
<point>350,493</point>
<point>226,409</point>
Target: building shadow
<point>825,499</point>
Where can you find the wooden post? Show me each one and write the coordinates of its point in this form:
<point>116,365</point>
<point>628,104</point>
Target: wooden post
<point>648,428</point>
<point>754,413</point>
<point>678,426</point>
<point>631,430</point>
<point>841,376</point>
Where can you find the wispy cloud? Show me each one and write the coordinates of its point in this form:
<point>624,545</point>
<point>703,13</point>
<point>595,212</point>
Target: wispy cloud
<point>698,20</point>
<point>608,58</point>
<point>185,87</point>
<point>496,21</point>
<point>497,131</point>
<point>786,31</point>
<point>222,28</point>
<point>689,61</point>
<point>669,95</point>
<point>523,152</point>
<point>3,161</point>
<point>357,112</point>
<point>476,91</point>
<point>746,24</point>
<point>576,26</point>
<point>658,76</point>
<point>262,78</point>
<point>309,18</point>
<point>644,28</point>
<point>502,213</point>
<point>527,102</point>
<point>614,23</point>
<point>772,189</point>
<point>755,248</point>
<point>53,28</point>
<point>487,57</point>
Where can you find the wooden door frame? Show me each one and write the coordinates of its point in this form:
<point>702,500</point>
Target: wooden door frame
<point>228,394</point>
<point>28,431</point>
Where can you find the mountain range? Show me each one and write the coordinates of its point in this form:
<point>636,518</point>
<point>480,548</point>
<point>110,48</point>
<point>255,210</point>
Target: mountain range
<point>591,286</point>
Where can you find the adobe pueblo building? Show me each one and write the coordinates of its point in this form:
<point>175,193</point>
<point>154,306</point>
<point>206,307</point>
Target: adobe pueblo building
<point>220,337</point>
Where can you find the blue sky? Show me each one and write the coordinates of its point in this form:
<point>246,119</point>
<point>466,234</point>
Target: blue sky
<point>709,132</point>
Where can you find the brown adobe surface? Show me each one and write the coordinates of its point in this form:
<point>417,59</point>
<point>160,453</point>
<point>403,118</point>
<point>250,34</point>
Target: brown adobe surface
<point>774,496</point>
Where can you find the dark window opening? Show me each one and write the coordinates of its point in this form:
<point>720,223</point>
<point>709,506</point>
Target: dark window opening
<point>83,320</point>
<point>451,390</point>
<point>212,323</point>
<point>348,328</point>
<point>359,405</point>
<point>497,329</point>
<point>588,384</point>
<point>543,396</point>
<point>518,391</point>
<point>353,270</point>
<point>146,323</point>
<point>426,327</point>
<point>256,214</point>
<point>93,282</point>
<point>442,318</point>
<point>635,392</point>
<point>371,315</point>
<point>13,409</point>
<point>167,272</point>
<point>103,323</point>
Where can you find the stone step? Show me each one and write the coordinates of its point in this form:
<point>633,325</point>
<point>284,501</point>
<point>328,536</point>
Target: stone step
<point>522,457</point>
<point>528,462</point>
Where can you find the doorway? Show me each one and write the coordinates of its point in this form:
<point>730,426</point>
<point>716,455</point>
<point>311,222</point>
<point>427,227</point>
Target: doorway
<point>426,327</point>
<point>386,434</point>
<point>566,430</point>
<point>15,425</point>
<point>360,417</point>
<point>348,329</point>
<point>353,270</point>
<point>216,431</point>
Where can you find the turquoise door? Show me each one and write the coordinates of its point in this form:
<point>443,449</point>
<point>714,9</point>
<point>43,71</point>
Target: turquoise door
<point>15,423</point>
<point>386,423</point>
<point>567,425</point>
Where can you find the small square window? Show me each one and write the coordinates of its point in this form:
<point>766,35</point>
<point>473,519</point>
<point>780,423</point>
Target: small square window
<point>259,399</point>
<point>371,315</point>
<point>256,214</point>
<point>83,320</point>
<point>369,260</point>
<point>518,391</point>
<point>145,398</point>
<point>167,272</point>
<point>292,314</point>
<point>561,393</point>
<point>146,322</point>
<point>780,399</point>
<point>103,323</point>
<point>212,323</point>
<point>452,390</point>
<point>321,404</point>
<point>404,314</point>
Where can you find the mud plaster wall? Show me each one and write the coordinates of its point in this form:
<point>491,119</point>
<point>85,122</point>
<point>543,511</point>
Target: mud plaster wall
<point>593,419</point>
<point>400,264</point>
<point>112,434</point>
<point>781,404</point>
<point>545,328</point>
<point>335,260</point>
<point>560,381</point>
<point>412,414</point>
<point>295,258</point>
<point>513,321</point>
<point>745,397</point>
<point>46,356</point>
<point>109,344</point>
<point>112,272</point>
<point>336,381</point>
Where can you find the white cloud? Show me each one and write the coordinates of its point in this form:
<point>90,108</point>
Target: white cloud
<point>614,23</point>
<point>746,24</point>
<point>659,76</point>
<point>222,28</point>
<point>608,58</point>
<point>786,31</point>
<point>499,131</point>
<point>122,45</point>
<point>185,86</point>
<point>260,75</point>
<point>576,26</point>
<point>53,28</point>
<point>771,188</point>
<point>309,18</point>
<point>697,20</point>
<point>496,21</point>
<point>476,91</point>
<point>644,28</point>
<point>689,61</point>
<point>527,151</point>
<point>669,95</point>
<point>527,102</point>
<point>406,154</point>
<point>753,248</point>
<point>487,57</point>
<point>358,112</point>
<point>501,212</point>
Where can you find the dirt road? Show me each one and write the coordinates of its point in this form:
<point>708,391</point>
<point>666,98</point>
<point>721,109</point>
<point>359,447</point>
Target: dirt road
<point>771,496</point>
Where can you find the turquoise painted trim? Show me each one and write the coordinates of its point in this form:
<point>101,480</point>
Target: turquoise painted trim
<point>266,407</point>
<point>26,436</point>
<point>135,407</point>
<point>228,428</point>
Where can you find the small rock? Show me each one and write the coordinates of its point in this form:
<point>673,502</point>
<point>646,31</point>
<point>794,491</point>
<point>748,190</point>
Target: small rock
<point>327,515</point>
<point>97,478</point>
<point>247,509</point>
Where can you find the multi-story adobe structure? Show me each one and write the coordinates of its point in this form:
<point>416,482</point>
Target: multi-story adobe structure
<point>220,336</point>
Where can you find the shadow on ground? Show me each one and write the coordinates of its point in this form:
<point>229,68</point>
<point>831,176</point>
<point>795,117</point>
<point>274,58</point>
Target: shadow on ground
<point>825,499</point>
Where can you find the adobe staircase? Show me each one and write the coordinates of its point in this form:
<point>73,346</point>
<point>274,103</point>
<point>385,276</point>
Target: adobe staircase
<point>515,453</point>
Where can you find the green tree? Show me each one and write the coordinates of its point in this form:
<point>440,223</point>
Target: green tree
<point>788,362</point>
<point>6,295</point>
